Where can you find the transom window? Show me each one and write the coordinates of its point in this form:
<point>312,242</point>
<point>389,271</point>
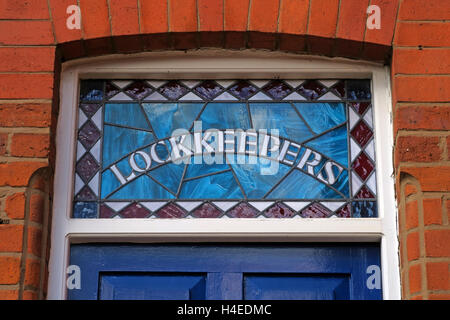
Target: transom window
<point>225,149</point>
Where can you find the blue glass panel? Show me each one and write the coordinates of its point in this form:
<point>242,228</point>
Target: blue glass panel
<point>169,175</point>
<point>251,177</point>
<point>280,116</point>
<point>364,209</point>
<point>167,117</point>
<point>118,142</point>
<point>333,145</point>
<point>322,116</point>
<point>299,185</point>
<point>225,116</point>
<point>126,114</point>
<point>222,185</point>
<point>198,169</point>
<point>358,89</point>
<point>85,210</point>
<point>91,90</point>
<point>142,188</point>
<point>109,183</point>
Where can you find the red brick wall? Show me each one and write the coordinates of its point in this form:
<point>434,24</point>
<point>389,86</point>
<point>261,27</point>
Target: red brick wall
<point>414,39</point>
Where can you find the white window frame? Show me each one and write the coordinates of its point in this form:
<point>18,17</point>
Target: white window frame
<point>222,64</point>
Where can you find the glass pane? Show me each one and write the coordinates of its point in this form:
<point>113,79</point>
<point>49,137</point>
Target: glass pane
<point>225,148</point>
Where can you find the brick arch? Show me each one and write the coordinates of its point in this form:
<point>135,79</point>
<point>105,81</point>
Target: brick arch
<point>331,28</point>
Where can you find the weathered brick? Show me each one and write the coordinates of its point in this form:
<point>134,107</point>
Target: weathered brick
<point>3,143</point>
<point>323,18</point>
<point>24,86</point>
<point>409,190</point>
<point>9,294</point>
<point>95,18</point>
<point>183,15</point>
<point>236,15</point>
<point>412,245</point>
<point>34,241</point>
<point>352,19</point>
<point>293,16</point>
<point>15,206</point>
<point>14,9</point>
<point>423,117</point>
<point>210,14</point>
<point>30,295</point>
<point>263,16</point>
<point>26,33</point>
<point>59,17</point>
<point>154,16</point>
<point>415,279</point>
<point>11,238</point>
<point>27,59</point>
<point>124,17</point>
<point>432,211</point>
<point>30,145</point>
<point>412,215</point>
<point>439,296</point>
<point>436,243</point>
<point>417,149</point>
<point>424,61</point>
<point>438,276</point>
<point>424,10</point>
<point>422,88</point>
<point>37,206</point>
<point>385,34</point>
<point>32,273</point>
<point>25,115</point>
<point>431,178</point>
<point>9,270</point>
<point>17,174</point>
<point>427,34</point>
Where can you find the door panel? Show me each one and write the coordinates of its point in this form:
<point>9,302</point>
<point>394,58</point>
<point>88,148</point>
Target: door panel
<point>151,287</point>
<point>296,287</point>
<point>223,272</point>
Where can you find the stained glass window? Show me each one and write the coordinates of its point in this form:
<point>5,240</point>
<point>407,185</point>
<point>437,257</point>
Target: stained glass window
<point>225,149</point>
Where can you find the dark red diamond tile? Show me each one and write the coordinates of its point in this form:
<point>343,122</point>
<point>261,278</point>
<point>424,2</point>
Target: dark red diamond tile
<point>315,211</point>
<point>207,210</point>
<point>89,108</point>
<point>170,211</point>
<point>111,90</point>
<point>243,89</point>
<point>279,210</point>
<point>360,107</point>
<point>243,210</point>
<point>85,194</point>
<point>138,90</point>
<point>277,89</point>
<point>87,167</point>
<point>364,193</point>
<point>106,212</point>
<point>134,210</point>
<point>363,166</point>
<point>173,90</point>
<point>88,134</point>
<point>208,89</point>
<point>312,89</point>
<point>344,212</point>
<point>339,89</point>
<point>362,133</point>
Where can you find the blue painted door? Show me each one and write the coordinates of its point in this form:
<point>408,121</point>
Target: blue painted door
<point>221,272</point>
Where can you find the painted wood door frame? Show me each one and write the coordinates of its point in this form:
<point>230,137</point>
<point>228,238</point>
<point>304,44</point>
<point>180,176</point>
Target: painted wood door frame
<point>222,64</point>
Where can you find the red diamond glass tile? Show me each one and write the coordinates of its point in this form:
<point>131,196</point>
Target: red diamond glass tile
<point>315,210</point>
<point>134,210</point>
<point>106,212</point>
<point>344,212</point>
<point>362,133</point>
<point>312,89</point>
<point>243,210</point>
<point>277,89</point>
<point>207,210</point>
<point>87,167</point>
<point>363,166</point>
<point>243,89</point>
<point>88,135</point>
<point>364,193</point>
<point>208,89</point>
<point>170,211</point>
<point>138,90</point>
<point>279,210</point>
